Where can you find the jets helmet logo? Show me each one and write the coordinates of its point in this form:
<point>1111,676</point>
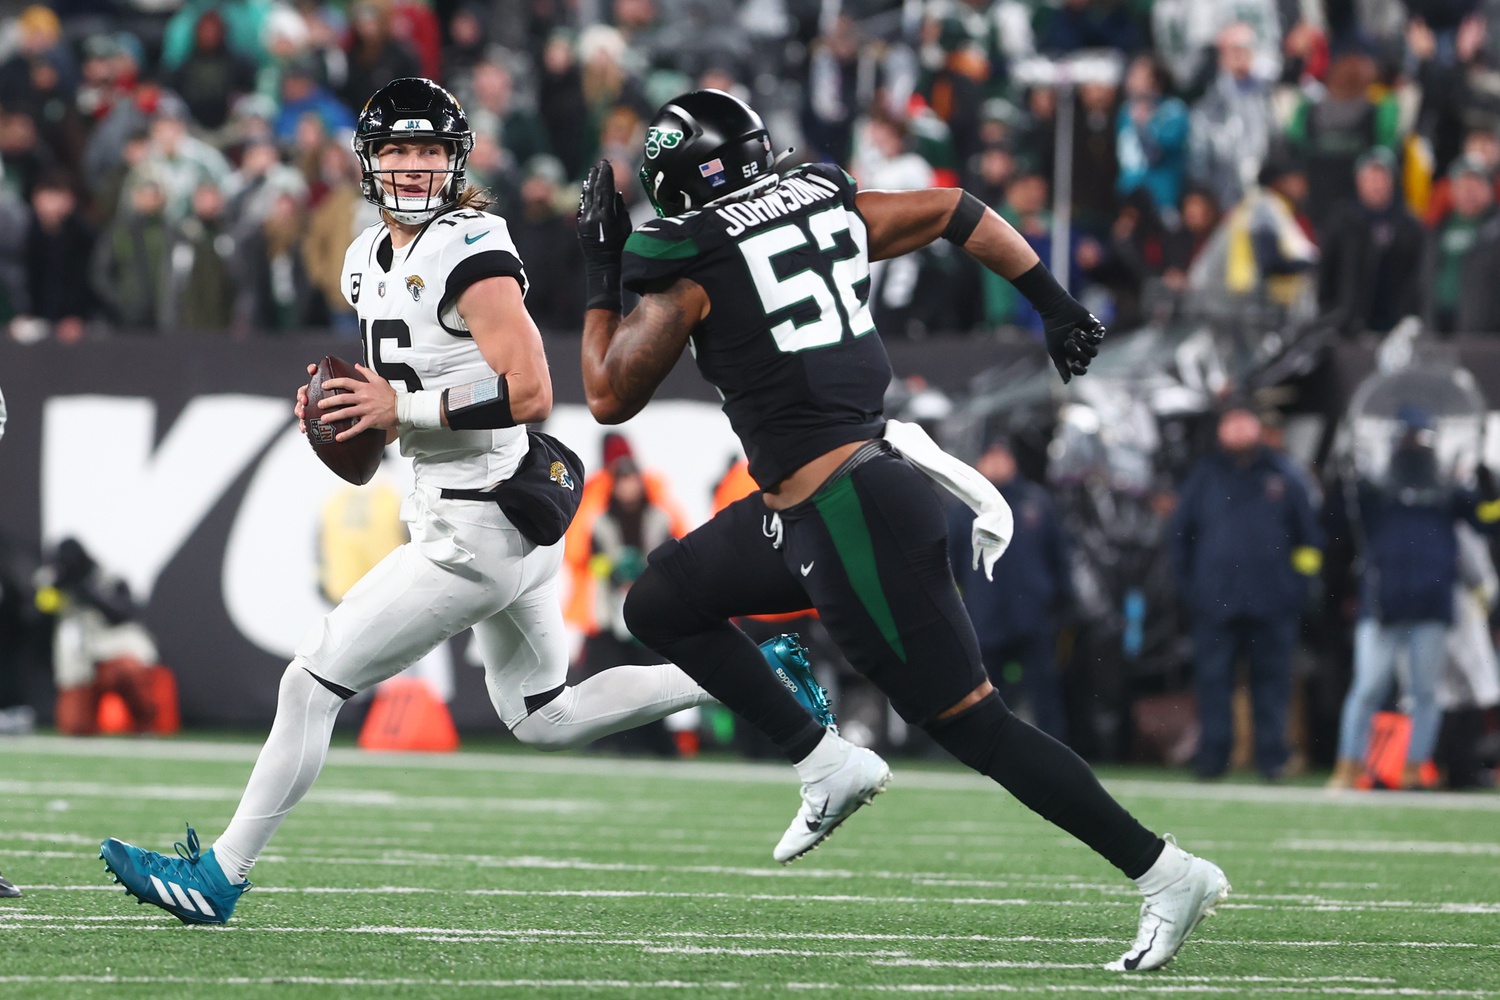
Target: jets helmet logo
<point>558,473</point>
<point>658,139</point>
<point>416,286</point>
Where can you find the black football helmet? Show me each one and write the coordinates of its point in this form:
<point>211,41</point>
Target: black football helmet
<point>700,147</point>
<point>412,108</point>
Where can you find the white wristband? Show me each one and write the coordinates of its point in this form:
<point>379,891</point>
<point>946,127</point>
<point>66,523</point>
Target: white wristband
<point>422,409</point>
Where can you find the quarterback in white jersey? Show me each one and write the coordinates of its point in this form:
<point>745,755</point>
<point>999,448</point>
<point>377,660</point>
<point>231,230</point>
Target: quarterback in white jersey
<point>455,367</point>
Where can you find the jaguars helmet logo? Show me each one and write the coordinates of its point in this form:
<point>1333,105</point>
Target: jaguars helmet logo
<point>416,286</point>
<point>658,139</point>
<point>558,473</point>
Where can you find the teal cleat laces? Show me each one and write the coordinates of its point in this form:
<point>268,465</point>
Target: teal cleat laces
<point>787,658</point>
<point>192,887</point>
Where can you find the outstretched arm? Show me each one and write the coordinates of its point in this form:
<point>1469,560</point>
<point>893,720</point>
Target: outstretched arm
<point>624,360</point>
<point>898,222</point>
<point>902,221</point>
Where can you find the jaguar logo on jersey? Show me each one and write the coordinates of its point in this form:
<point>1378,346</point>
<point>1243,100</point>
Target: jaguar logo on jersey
<point>558,473</point>
<point>416,286</point>
<point>354,287</point>
<point>713,172</point>
<point>658,139</point>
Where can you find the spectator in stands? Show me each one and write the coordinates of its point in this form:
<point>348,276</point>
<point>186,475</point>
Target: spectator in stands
<point>201,279</point>
<point>39,42</point>
<point>26,158</point>
<point>1410,564</point>
<point>1231,124</point>
<point>562,105</point>
<point>830,99</point>
<point>1184,33</point>
<point>245,29</point>
<point>1152,134</point>
<point>108,75</point>
<point>109,190</point>
<point>211,77</point>
<point>995,168</point>
<point>1095,165</point>
<point>1091,24</point>
<point>58,240</point>
<point>1370,274</point>
<point>1481,145</point>
<point>468,40</point>
<point>1453,78</point>
<point>179,160</point>
<point>275,292</point>
<point>544,238</point>
<point>1245,543</point>
<point>340,216</point>
<point>1335,126</point>
<point>302,94</point>
<point>1015,616</point>
<point>1466,244</point>
<point>492,111</point>
<point>607,84</point>
<point>129,266</point>
<point>376,55</point>
<point>1263,252</point>
<point>1198,218</point>
<point>884,159</point>
<point>260,179</point>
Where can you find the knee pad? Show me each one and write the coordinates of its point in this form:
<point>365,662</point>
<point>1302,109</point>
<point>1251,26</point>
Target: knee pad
<point>656,613</point>
<point>973,735</point>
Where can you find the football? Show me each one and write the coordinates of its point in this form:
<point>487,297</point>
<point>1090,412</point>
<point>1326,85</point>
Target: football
<point>356,459</point>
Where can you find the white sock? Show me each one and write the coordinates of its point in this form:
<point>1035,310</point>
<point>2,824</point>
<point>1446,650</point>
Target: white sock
<point>1168,868</point>
<point>610,701</point>
<point>287,766</point>
<point>828,756</point>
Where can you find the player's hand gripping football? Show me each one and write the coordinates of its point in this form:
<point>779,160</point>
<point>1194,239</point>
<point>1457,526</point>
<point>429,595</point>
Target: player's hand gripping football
<point>603,228</point>
<point>369,404</point>
<point>300,410</point>
<point>1073,336</point>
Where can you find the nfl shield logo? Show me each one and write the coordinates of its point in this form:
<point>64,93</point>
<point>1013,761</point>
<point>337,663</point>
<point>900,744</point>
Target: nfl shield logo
<point>380,289</point>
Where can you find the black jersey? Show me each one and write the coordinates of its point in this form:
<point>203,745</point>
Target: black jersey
<point>789,341</point>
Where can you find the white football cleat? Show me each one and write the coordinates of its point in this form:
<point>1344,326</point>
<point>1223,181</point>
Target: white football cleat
<point>829,801</point>
<point>1169,915</point>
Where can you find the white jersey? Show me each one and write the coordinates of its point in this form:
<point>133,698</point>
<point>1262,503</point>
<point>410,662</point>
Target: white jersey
<point>414,338</point>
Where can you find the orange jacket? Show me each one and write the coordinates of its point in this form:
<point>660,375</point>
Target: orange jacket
<point>578,543</point>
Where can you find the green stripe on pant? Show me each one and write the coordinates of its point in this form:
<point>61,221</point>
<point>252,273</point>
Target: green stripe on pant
<point>842,514</point>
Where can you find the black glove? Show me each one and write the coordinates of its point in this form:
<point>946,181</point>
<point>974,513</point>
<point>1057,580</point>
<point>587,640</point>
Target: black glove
<point>1073,334</point>
<point>603,227</point>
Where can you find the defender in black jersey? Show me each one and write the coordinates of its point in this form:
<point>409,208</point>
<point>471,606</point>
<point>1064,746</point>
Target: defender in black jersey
<point>766,277</point>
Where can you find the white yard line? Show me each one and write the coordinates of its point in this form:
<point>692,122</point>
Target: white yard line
<point>914,778</point>
<point>1155,985</point>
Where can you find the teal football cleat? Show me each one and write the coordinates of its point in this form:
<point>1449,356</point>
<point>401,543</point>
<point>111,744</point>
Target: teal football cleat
<point>192,887</point>
<point>787,658</point>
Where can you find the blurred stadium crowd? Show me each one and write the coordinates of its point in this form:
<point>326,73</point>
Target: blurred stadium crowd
<point>186,165</point>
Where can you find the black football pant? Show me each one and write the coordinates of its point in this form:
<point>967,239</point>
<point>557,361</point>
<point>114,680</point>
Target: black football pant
<point>869,551</point>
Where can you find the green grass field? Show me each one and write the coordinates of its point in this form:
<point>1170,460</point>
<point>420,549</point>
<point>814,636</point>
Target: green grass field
<point>521,875</point>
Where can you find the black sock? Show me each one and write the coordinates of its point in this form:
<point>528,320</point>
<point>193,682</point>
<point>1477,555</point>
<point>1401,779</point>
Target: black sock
<point>1048,779</point>
<point>723,661</point>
